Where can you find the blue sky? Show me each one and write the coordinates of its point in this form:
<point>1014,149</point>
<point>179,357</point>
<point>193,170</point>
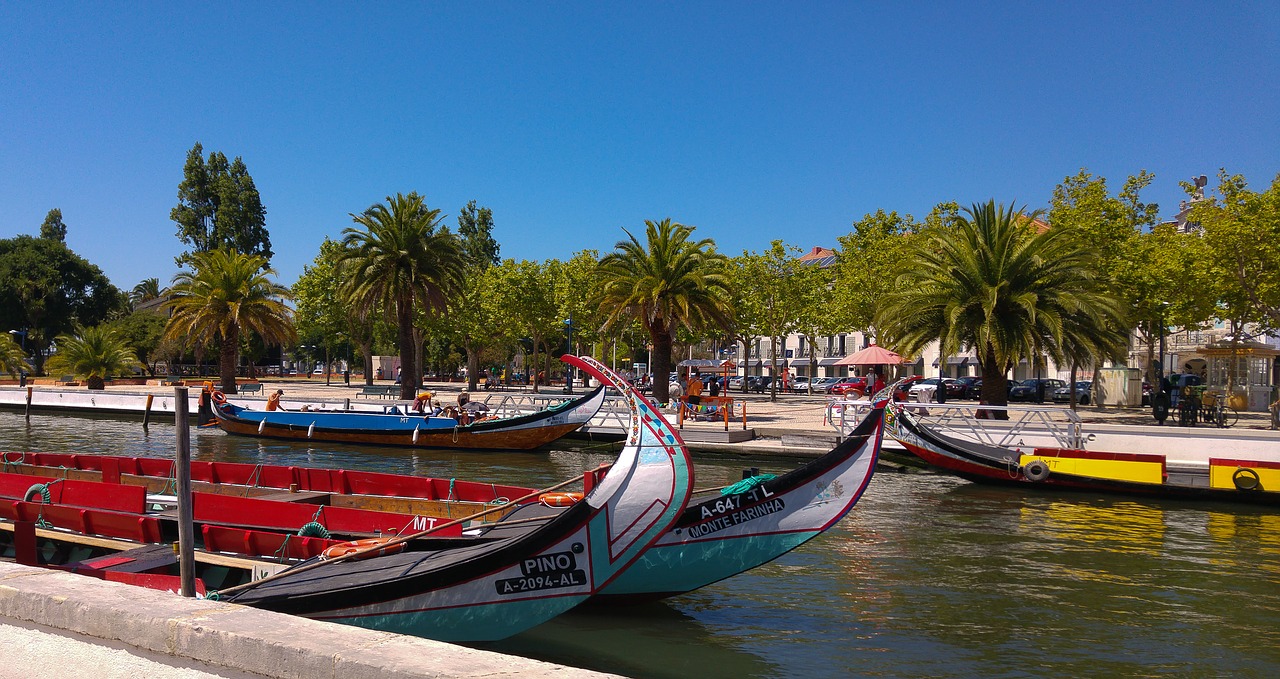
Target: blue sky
<point>751,121</point>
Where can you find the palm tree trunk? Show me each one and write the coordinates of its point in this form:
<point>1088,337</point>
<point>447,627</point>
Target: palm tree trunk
<point>366,351</point>
<point>408,354</point>
<point>661,362</point>
<point>995,384</point>
<point>227,359</point>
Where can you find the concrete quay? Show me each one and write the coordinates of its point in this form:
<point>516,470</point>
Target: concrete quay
<point>65,625</point>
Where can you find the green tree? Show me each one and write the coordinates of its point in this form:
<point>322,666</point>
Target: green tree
<point>225,293</point>
<point>533,307</point>
<point>743,316</point>
<point>576,285</point>
<point>320,310</point>
<point>870,258</point>
<point>402,260</point>
<point>998,284</point>
<point>815,310</point>
<point>666,282</point>
<point>93,354</point>
<point>142,330</point>
<point>469,314</point>
<point>53,228</point>
<point>219,207</point>
<point>48,289</point>
<point>145,291</point>
<point>13,360</point>
<point>778,286</point>
<point>1241,230</point>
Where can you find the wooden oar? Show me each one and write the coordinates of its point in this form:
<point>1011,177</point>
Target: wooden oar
<point>395,541</point>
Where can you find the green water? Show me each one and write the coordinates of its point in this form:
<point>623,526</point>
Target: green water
<point>929,576</point>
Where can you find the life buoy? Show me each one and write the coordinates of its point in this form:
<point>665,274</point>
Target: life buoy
<point>366,549</point>
<point>559,499</point>
<point>1246,479</point>
<point>218,397</point>
<point>1036,470</point>
<point>41,490</point>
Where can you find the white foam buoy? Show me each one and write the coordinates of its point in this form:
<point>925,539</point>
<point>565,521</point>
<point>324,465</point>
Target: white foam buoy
<point>311,429</point>
<point>262,424</point>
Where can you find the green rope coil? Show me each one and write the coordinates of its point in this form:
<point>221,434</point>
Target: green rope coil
<point>313,530</point>
<point>43,489</point>
<point>746,484</point>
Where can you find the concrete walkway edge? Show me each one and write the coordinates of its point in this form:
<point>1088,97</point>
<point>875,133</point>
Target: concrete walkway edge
<point>243,638</point>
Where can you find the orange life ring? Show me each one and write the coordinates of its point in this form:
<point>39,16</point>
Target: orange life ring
<point>559,499</point>
<point>218,397</point>
<point>368,548</point>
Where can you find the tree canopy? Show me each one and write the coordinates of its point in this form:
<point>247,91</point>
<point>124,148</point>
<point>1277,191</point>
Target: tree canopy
<point>219,207</point>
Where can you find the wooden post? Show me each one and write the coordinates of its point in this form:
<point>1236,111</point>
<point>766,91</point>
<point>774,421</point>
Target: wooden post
<point>146,413</point>
<point>680,412</point>
<point>186,528</point>
<point>27,411</point>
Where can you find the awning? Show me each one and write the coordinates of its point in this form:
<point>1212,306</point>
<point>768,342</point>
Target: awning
<point>957,360</point>
<point>829,361</point>
<point>756,363</point>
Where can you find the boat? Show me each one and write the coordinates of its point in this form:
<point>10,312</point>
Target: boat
<point>493,587</point>
<point>724,532</point>
<point>399,427</point>
<point>1230,477</point>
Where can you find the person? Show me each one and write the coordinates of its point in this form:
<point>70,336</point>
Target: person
<point>346,376</point>
<point>378,375</point>
<point>694,389</point>
<point>273,401</point>
<point>715,386</point>
<point>877,383</point>
<point>422,402</point>
<point>397,375</point>
<point>464,415</point>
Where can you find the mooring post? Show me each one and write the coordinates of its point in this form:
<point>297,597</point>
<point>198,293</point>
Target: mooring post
<point>186,535</point>
<point>146,413</point>
<point>27,411</point>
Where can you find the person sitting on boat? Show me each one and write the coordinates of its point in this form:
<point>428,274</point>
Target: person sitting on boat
<point>464,413</point>
<point>423,402</point>
<point>273,401</point>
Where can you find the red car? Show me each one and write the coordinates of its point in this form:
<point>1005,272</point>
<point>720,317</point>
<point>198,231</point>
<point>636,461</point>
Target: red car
<point>849,386</point>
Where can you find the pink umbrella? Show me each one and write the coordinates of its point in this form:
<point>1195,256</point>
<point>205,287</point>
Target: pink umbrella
<point>872,355</point>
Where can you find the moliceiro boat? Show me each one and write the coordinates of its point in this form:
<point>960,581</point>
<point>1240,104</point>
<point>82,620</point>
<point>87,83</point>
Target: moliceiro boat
<point>1224,475</point>
<point>521,432</point>
<point>494,586</point>
<point>732,530</point>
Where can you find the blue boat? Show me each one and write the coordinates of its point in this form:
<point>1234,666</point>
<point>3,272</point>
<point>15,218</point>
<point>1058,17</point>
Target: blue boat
<point>522,432</point>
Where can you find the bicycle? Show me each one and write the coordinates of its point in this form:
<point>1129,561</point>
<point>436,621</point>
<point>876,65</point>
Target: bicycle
<point>1220,413</point>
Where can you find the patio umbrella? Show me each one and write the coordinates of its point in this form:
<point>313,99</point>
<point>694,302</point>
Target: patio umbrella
<point>872,355</point>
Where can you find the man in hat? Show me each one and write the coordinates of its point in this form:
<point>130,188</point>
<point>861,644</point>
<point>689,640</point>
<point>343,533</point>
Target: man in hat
<point>273,401</point>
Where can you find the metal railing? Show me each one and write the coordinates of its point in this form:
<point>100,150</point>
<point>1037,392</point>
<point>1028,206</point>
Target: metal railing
<point>613,413</point>
<point>975,422</point>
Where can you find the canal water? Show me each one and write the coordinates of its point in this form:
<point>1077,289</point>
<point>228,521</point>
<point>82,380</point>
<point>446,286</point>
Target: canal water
<point>929,576</point>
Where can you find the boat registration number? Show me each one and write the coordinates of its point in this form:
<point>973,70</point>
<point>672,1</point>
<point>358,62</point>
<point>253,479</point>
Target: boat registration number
<point>546,571</point>
<point>534,583</point>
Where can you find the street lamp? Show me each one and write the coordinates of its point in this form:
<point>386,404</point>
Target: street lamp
<point>23,335</point>
<point>306,350</point>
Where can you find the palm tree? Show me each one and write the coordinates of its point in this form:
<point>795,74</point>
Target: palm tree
<point>226,293</point>
<point>401,261</point>
<point>995,283</point>
<point>13,360</point>
<point>667,282</point>
<point>94,354</point>
<point>145,291</point>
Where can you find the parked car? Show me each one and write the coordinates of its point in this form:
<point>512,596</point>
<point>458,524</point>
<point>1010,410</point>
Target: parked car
<point>1028,390</point>
<point>849,386</point>
<point>900,392</point>
<point>822,384</point>
<point>970,387</point>
<point>735,382</point>
<point>1083,393</point>
<point>954,389</point>
<point>800,385</point>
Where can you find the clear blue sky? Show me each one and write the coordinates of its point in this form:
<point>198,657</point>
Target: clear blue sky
<point>751,121</point>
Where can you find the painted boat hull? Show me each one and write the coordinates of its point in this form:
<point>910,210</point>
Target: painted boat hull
<point>1144,474</point>
<point>490,590</point>
<point>723,535</point>
<point>524,432</point>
